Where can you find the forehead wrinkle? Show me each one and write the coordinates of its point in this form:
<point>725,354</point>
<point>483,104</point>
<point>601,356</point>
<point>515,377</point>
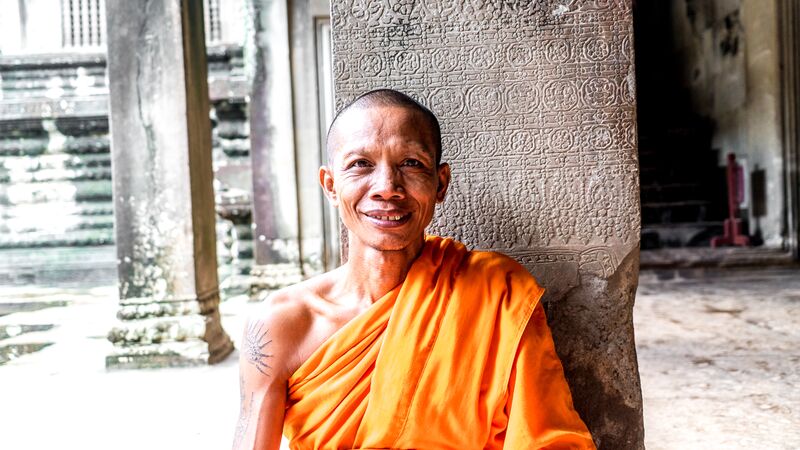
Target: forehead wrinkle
<point>412,129</point>
<point>391,143</point>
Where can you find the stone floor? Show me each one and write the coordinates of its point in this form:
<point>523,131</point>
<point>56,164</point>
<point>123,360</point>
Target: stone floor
<point>719,357</point>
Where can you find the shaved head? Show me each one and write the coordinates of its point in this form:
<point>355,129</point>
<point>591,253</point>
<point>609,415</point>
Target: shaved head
<point>390,98</point>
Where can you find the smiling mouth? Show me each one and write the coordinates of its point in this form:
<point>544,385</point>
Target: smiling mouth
<point>388,220</point>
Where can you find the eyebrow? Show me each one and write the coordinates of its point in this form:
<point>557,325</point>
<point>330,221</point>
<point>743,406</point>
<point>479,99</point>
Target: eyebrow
<point>417,148</point>
<point>349,153</point>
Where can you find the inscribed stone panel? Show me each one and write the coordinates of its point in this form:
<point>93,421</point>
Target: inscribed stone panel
<point>536,100</point>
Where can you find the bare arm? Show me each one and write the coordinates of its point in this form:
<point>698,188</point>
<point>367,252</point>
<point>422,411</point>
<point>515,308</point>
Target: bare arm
<point>262,382</point>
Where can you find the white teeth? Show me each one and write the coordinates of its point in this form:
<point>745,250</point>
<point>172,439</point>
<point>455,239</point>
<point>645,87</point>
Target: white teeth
<point>392,218</point>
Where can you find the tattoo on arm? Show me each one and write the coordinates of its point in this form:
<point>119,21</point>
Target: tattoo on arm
<point>255,347</point>
<point>244,416</point>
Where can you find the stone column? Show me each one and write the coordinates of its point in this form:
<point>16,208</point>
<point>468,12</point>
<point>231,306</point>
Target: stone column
<point>536,100</point>
<point>163,195</point>
<point>275,214</point>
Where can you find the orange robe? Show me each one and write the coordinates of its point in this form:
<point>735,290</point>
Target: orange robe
<point>444,360</point>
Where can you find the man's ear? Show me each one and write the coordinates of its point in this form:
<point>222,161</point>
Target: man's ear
<point>443,173</point>
<point>326,181</point>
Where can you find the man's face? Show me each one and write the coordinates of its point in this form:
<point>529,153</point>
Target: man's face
<point>383,176</point>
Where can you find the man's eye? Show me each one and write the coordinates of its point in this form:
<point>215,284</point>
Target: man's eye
<point>360,163</point>
<point>412,163</point>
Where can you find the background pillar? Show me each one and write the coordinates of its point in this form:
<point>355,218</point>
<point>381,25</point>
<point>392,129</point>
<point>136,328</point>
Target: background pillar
<point>536,100</point>
<point>275,214</point>
<point>163,193</point>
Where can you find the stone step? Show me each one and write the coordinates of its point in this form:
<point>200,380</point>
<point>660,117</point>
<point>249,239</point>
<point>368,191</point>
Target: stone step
<point>55,256</point>
<point>83,125</point>
<point>64,77</point>
<point>41,127</point>
<point>679,235</point>
<point>656,187</point>
<point>28,146</point>
<point>655,193</point>
<point>63,191</point>
<point>57,170</point>
<point>41,62</point>
<point>681,212</point>
<point>81,145</point>
<point>244,232</point>
<point>79,238</point>
<point>21,227</point>
<point>54,266</point>
<point>65,210</point>
<point>773,264</point>
<point>54,87</point>
<point>675,204</point>
<point>73,145</point>
<point>701,160</point>
<point>245,249</point>
<point>234,147</point>
<point>698,224</point>
<point>55,175</point>
<point>54,161</point>
<point>13,73</point>
<point>232,129</point>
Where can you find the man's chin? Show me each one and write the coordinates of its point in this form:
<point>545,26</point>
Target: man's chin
<point>387,242</point>
<point>390,244</point>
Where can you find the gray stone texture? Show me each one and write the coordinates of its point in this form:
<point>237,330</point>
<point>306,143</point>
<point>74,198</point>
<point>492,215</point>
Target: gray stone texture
<point>536,100</point>
<point>163,195</point>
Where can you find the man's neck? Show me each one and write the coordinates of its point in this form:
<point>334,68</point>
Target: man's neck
<point>371,273</point>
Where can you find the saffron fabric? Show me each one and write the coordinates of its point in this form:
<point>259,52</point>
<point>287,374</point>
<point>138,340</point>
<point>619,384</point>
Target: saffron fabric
<point>443,361</point>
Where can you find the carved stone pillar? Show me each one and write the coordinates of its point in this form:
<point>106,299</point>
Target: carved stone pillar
<point>163,195</point>
<point>536,100</point>
<point>275,215</point>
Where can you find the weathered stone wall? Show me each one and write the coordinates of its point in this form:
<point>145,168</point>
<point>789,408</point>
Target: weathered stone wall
<point>536,100</point>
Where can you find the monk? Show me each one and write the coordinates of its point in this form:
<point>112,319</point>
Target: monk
<point>416,341</point>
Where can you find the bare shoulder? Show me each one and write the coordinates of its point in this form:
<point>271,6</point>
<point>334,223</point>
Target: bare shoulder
<point>277,332</point>
<point>268,349</point>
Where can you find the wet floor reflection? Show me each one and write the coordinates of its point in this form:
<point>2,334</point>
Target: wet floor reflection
<point>10,351</point>
<point>13,351</point>
<point>7,331</point>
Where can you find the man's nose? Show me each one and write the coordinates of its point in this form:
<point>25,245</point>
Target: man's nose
<point>388,184</point>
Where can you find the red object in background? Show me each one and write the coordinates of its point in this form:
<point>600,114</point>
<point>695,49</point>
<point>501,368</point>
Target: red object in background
<point>733,226</point>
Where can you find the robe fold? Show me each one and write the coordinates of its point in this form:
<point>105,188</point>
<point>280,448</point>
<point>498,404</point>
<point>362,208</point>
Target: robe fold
<point>446,360</point>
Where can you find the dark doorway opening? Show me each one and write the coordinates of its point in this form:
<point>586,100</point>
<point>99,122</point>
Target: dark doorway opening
<point>683,194</point>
